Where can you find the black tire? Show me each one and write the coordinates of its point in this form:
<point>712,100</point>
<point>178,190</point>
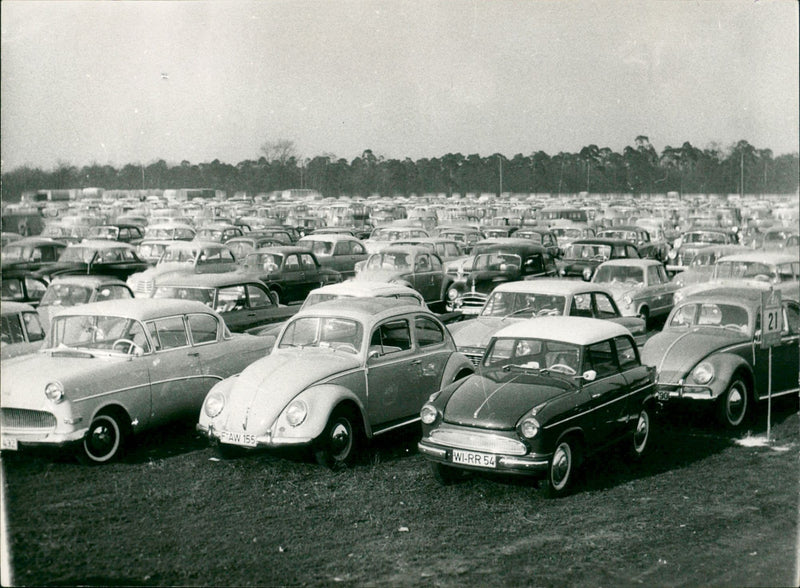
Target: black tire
<point>561,469</point>
<point>276,296</point>
<point>644,314</point>
<point>733,405</point>
<point>445,475</point>
<point>642,435</point>
<point>104,441</point>
<point>337,446</point>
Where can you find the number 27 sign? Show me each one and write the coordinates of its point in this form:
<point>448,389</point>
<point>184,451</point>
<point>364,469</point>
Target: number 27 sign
<point>771,316</point>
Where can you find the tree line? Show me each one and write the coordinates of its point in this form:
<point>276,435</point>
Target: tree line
<point>639,169</point>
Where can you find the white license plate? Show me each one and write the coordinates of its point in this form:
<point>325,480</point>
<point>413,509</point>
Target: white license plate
<point>472,458</point>
<point>245,439</point>
<point>9,443</point>
<point>663,395</point>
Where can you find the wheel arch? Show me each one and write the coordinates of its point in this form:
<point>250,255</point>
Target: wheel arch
<point>457,364</point>
<point>726,366</point>
<point>117,411</point>
<point>322,401</point>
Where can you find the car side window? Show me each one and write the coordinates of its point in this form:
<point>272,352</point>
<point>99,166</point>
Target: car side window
<point>791,318</point>
<point>391,337</point>
<point>226,256</point>
<point>581,305</point>
<point>342,248</point>
<point>35,288</point>
<point>427,332</point>
<point>653,277</point>
<point>292,264</point>
<point>33,326</point>
<point>203,328</point>
<point>626,353</point>
<point>436,264</point>
<point>600,358</point>
<point>231,298</point>
<point>112,293</point>
<point>631,252</point>
<point>604,308</point>
<point>170,333</point>
<point>422,264</point>
<point>357,248</point>
<point>308,262</point>
<point>662,273</point>
<point>11,331</point>
<point>259,297</point>
<point>619,251</point>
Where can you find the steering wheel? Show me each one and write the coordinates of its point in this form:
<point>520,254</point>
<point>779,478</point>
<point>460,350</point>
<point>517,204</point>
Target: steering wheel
<point>563,368</point>
<point>131,345</point>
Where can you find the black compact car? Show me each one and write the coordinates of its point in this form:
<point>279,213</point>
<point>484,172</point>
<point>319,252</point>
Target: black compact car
<point>582,257</point>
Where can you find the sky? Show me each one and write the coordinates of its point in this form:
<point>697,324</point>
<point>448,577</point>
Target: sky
<point>133,82</point>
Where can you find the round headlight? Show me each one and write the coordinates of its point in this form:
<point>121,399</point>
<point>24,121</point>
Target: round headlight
<point>587,273</point>
<point>452,294</point>
<point>529,428</point>
<point>672,254</point>
<point>214,404</point>
<point>703,373</point>
<point>627,300</point>
<point>296,412</point>
<point>428,414</point>
<point>54,392</point>
<point>562,271</point>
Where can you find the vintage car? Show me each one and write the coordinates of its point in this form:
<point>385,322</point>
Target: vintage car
<point>21,331</point>
<point>687,245</point>
<point>30,253</point>
<point>218,232</point>
<point>780,270</point>
<point>201,257</point>
<point>341,372</point>
<point>172,231</point>
<point>517,301</point>
<point>567,233</point>
<point>465,236</point>
<point>541,236</point>
<point>495,264</point>
<point>710,353</point>
<point>242,301</point>
<point>123,232</point>
<point>289,272</point>
<point>447,249</point>
<point>582,257</point>
<point>702,266</point>
<point>647,247</point>
<point>640,286</point>
<point>412,266</point>
<point>110,369</point>
<point>776,239</point>
<point>66,291</point>
<point>336,251</point>
<point>549,393</point>
<point>21,286</point>
<point>96,257</point>
<point>383,236</point>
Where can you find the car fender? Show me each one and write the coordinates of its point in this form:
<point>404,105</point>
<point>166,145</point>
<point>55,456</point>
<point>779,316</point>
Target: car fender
<point>321,401</point>
<point>725,365</point>
<point>457,362</point>
<point>222,387</point>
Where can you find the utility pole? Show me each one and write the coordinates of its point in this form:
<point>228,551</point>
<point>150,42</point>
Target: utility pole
<point>741,173</point>
<point>500,159</point>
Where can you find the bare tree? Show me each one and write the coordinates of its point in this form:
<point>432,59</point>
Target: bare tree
<point>281,150</point>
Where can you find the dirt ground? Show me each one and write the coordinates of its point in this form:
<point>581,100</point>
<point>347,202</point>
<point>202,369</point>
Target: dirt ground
<point>704,509</point>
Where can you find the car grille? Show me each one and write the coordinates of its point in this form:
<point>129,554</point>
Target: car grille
<point>22,418</point>
<point>473,300</point>
<point>144,287</point>
<point>474,355</point>
<point>477,441</point>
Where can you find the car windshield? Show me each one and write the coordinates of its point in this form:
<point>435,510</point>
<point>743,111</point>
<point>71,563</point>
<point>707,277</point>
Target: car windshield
<point>704,237</point>
<point>151,250</point>
<point>66,295</point>
<point>626,235</point>
<point>326,332</point>
<point>537,354</point>
<point>267,261</point>
<point>12,289</point>
<point>104,232</point>
<point>587,251</point>
<point>615,274</point>
<point>530,235</point>
<point>563,233</point>
<point>389,260</point>
<point>497,262</point>
<point>523,305</point>
<point>319,247</point>
<point>705,258</point>
<point>204,295</point>
<point>97,332</point>
<point>16,253</point>
<point>79,254</point>
<point>179,254</point>
<point>210,234</point>
<point>729,316</point>
<point>744,269</point>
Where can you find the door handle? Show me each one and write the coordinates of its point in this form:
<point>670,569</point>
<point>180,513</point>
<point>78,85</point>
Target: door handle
<point>193,354</point>
<point>597,395</point>
<point>251,314</point>
<point>416,362</point>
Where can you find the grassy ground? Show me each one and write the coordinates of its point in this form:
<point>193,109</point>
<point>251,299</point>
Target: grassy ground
<point>702,510</point>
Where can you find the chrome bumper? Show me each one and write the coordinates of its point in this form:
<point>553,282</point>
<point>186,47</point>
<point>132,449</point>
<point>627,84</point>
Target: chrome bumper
<point>667,392</point>
<point>532,463</point>
<point>262,441</point>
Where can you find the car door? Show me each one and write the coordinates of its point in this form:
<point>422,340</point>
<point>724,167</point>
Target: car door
<point>422,277</point>
<point>604,395</point>
<point>637,376</point>
<point>231,304</point>
<point>785,355</point>
<point>292,280</point>
<point>312,276</point>
<point>205,332</point>
<point>260,308</point>
<point>393,373</point>
<point>431,344</point>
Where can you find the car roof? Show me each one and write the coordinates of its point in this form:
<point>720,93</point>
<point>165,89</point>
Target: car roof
<point>102,244</point>
<point>9,307</point>
<point>88,280</point>
<point>551,286</point>
<point>602,241</point>
<point>142,309</point>
<point>358,308</point>
<point>212,280</point>
<point>750,294</point>
<point>631,261</point>
<point>569,329</point>
<point>365,288</point>
<point>761,257</point>
<point>33,241</point>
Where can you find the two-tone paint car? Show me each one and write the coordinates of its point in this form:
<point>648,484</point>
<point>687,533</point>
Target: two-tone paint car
<point>581,258</point>
<point>549,392</point>
<point>340,373</point>
<point>518,301</point>
<point>110,369</point>
<point>710,353</point>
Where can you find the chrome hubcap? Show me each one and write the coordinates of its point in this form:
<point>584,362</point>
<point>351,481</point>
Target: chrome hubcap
<point>561,466</point>
<point>341,439</point>
<point>736,404</point>
<point>642,430</point>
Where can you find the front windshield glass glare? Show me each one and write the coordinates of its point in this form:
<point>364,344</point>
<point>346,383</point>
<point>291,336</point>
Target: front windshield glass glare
<point>104,232</point>
<point>523,305</point>
<point>588,251</point>
<point>729,316</point>
<point>537,354</point>
<point>497,262</point>
<point>389,260</point>
<point>66,295</point>
<point>267,261</point>
<point>744,269</point>
<point>704,237</point>
<point>204,295</point>
<point>179,254</point>
<point>97,332</point>
<point>326,332</point>
<point>80,254</point>
<point>611,274</point>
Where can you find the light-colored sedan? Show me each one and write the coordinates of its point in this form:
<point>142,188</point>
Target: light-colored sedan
<point>21,330</point>
<point>640,287</point>
<point>111,369</point>
<point>341,372</point>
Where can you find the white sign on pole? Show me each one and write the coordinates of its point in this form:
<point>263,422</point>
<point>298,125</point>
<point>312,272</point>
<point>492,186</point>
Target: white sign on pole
<point>771,316</point>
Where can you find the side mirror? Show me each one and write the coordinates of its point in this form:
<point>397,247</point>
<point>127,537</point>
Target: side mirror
<point>589,375</point>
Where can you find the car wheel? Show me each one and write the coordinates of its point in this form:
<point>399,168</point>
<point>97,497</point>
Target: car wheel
<point>445,475</point>
<point>337,445</point>
<point>276,297</point>
<point>104,441</point>
<point>561,469</point>
<point>641,435</point>
<point>733,404</point>
<point>644,314</point>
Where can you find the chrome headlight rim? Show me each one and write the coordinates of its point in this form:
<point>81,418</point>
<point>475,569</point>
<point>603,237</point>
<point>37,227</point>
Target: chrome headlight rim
<point>296,412</point>
<point>703,373</point>
<point>428,414</point>
<point>54,391</point>
<point>529,427</point>
<point>214,404</point>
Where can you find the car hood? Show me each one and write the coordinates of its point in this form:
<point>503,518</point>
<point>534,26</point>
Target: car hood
<point>486,281</point>
<point>478,332</point>
<point>497,399</point>
<point>674,351</point>
<point>162,269</point>
<point>619,289</point>
<point>381,275</point>
<point>265,387</point>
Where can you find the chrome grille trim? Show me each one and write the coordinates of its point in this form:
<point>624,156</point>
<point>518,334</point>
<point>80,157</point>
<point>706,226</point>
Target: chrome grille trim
<point>25,419</point>
<point>477,441</point>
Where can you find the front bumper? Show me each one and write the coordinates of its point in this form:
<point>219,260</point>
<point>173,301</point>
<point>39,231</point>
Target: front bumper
<point>682,391</point>
<point>13,439</point>
<point>470,303</point>
<point>532,463</point>
<point>245,440</point>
